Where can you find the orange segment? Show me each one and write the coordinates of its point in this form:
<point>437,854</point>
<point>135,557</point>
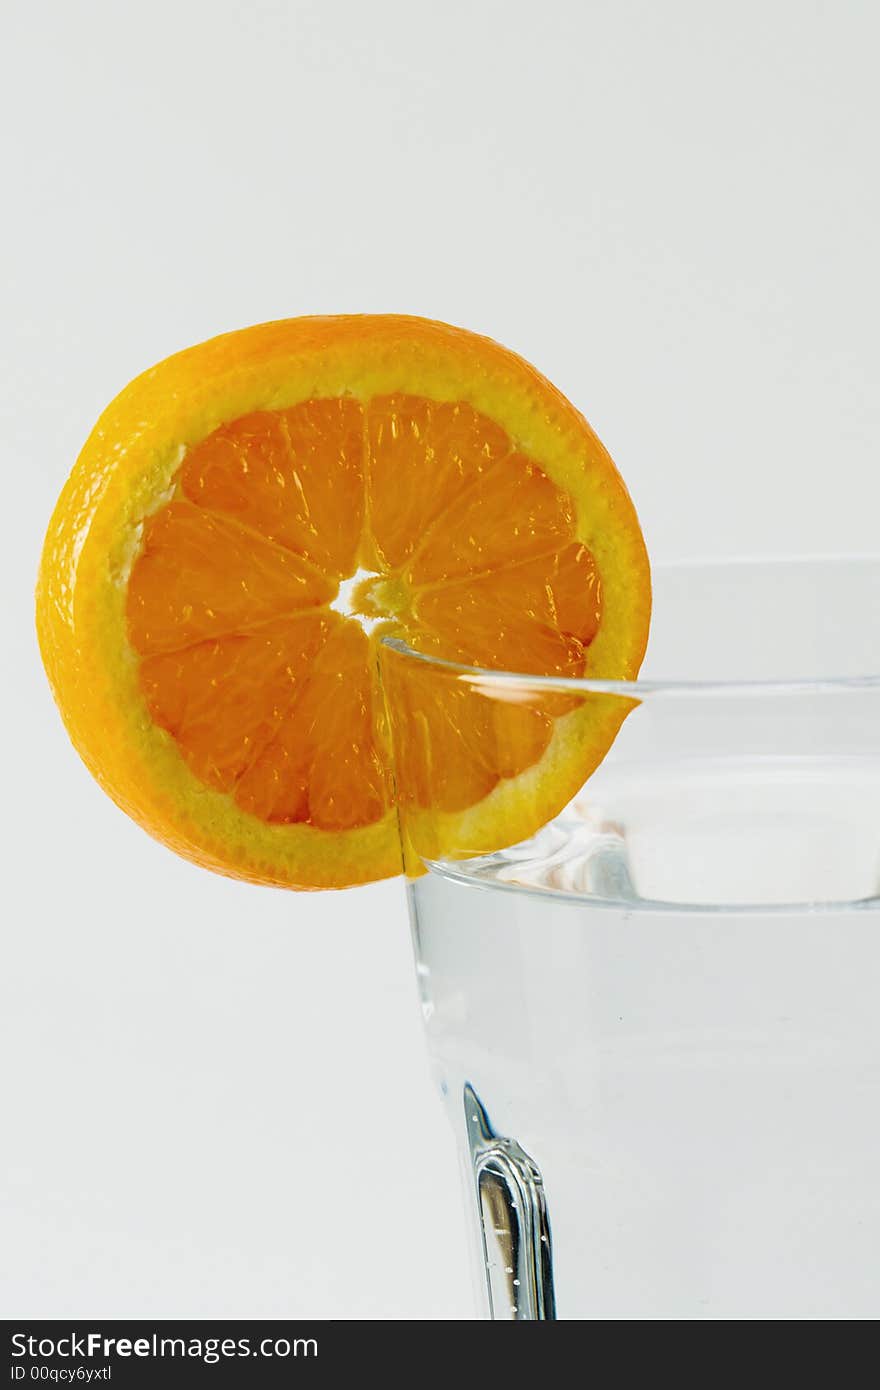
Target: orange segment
<point>510,513</point>
<point>225,701</point>
<point>349,782</point>
<point>239,522</point>
<point>295,476</point>
<point>458,745</point>
<point>422,455</point>
<point>322,766</point>
<point>539,616</point>
<point>200,576</point>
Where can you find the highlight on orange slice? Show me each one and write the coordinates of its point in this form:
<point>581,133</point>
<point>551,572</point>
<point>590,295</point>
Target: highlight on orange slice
<point>245,522</point>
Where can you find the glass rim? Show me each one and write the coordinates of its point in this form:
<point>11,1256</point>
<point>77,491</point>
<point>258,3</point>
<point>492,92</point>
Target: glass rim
<point>490,677</point>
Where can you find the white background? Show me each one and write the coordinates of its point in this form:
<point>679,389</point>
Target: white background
<point>216,1097</point>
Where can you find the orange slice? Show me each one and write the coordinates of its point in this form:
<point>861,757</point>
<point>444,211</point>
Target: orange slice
<point>249,516</point>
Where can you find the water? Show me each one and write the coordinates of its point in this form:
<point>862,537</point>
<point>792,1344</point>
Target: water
<point>668,1000</point>
<point>706,832</point>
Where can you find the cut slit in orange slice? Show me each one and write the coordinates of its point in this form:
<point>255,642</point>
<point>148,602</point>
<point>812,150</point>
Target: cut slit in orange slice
<point>226,569</point>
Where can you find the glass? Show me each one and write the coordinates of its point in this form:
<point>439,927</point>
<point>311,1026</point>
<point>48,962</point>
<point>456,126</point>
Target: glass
<point>654,1017</point>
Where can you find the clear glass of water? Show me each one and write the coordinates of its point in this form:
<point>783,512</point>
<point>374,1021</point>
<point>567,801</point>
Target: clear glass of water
<point>655,1024</point>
